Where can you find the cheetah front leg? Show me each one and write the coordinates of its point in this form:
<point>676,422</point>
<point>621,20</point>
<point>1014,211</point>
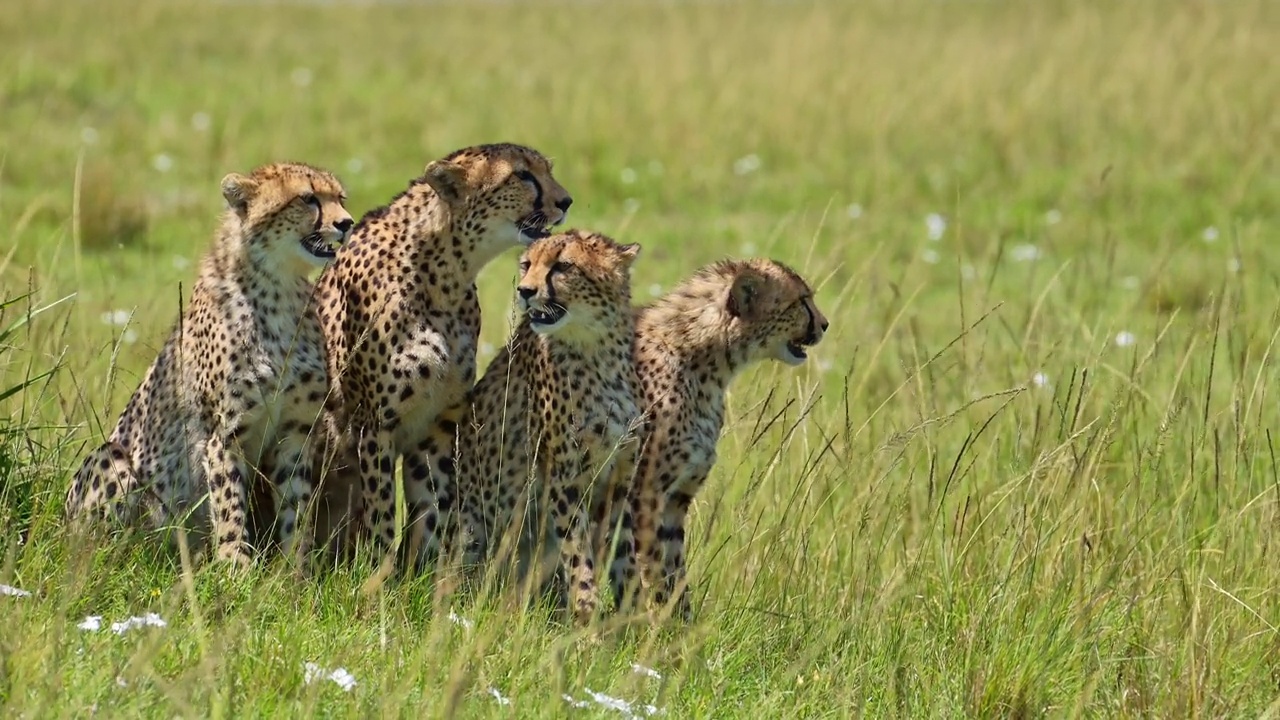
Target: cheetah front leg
<point>294,479</point>
<point>574,535</point>
<point>620,518</point>
<point>671,533</point>
<point>430,492</point>
<point>105,486</point>
<point>376,451</point>
<point>646,504</point>
<point>228,498</point>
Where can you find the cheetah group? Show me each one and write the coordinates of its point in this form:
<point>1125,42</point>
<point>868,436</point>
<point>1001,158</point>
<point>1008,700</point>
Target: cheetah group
<point>278,408</point>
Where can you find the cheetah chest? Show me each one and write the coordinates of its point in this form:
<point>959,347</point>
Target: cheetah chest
<point>285,387</point>
<point>604,418</point>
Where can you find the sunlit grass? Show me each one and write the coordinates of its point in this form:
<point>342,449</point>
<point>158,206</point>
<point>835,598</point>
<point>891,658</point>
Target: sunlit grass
<point>1029,471</point>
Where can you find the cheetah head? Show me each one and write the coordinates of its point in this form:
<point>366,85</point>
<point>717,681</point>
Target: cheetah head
<point>292,213</point>
<point>499,196</point>
<point>774,311</point>
<point>575,283</point>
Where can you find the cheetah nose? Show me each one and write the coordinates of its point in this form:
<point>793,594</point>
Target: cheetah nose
<point>825,325</point>
<point>526,292</point>
<point>344,225</point>
<point>564,204</point>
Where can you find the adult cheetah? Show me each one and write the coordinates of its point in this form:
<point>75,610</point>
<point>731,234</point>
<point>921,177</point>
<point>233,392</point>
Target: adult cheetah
<point>689,346</point>
<point>554,421</point>
<point>240,383</point>
<point>401,323</point>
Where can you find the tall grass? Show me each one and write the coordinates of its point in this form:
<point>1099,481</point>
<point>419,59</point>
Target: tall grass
<point>1031,470</point>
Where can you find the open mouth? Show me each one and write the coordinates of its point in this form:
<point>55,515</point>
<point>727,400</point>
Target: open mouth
<point>534,226</point>
<point>797,350</point>
<point>546,317</point>
<point>319,247</point>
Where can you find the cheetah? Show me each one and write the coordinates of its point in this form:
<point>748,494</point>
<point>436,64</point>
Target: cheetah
<point>401,322</point>
<point>689,346</point>
<point>240,382</point>
<point>554,421</point>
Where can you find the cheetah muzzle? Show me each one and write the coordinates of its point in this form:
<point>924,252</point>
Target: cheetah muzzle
<point>533,226</point>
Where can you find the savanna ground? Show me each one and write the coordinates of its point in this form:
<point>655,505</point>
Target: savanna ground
<point>1031,471</point>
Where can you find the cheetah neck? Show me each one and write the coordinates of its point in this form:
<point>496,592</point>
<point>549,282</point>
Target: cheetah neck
<point>694,331</point>
<point>609,351</point>
<point>256,275</point>
<point>440,247</point>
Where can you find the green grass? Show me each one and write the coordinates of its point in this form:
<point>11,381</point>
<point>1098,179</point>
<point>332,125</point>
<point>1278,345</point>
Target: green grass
<point>910,525</point>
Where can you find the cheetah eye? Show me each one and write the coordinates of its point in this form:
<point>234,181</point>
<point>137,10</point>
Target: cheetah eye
<point>526,176</point>
<point>561,266</point>
<point>524,266</point>
<point>311,199</point>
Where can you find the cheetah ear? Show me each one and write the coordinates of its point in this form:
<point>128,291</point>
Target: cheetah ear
<point>629,253</point>
<point>743,296</point>
<point>238,190</point>
<point>448,179</point>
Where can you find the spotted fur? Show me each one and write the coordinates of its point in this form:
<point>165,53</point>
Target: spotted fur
<point>240,383</point>
<point>689,346</point>
<point>401,322</point>
<point>553,424</point>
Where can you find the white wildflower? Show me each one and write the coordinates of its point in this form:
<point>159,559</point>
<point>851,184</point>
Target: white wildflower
<point>655,290</point>
<point>116,317</point>
<point>497,695</point>
<point>88,135</point>
<point>1124,338</point>
<point>746,164</point>
<point>1053,217</point>
<point>148,620</point>
<point>628,709</point>
<point>92,623</point>
<point>1210,234</point>
<point>312,672</point>
<point>1039,379</point>
<point>1233,265</point>
<point>343,679</point>
<point>201,122</point>
<point>628,176</point>
<point>576,703</point>
<point>13,591</point>
<point>642,670</point>
<point>457,619</point>
<point>1024,253</point>
<point>129,337</point>
<point>610,702</point>
<point>854,211</point>
<point>162,163</point>
<point>121,682</point>
<point>935,225</point>
<point>355,166</point>
<point>486,348</point>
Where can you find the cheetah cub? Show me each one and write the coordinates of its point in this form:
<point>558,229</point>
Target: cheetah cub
<point>554,421</point>
<point>241,380</point>
<point>689,345</point>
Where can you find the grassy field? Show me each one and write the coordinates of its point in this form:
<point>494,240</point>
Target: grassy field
<point>1031,471</point>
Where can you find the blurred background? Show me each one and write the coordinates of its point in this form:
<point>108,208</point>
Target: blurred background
<point>1043,233</point>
